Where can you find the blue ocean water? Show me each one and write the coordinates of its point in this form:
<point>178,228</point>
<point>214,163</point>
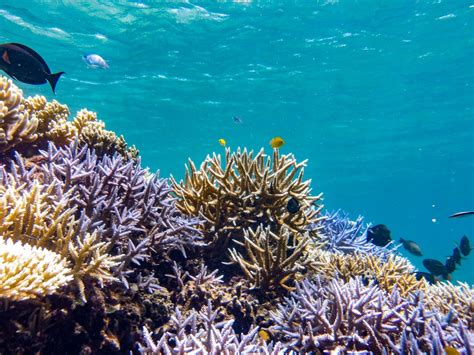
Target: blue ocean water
<point>377,95</point>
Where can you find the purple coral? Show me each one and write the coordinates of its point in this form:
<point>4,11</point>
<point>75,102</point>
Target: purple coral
<point>341,234</point>
<point>203,333</point>
<point>126,204</point>
<point>330,315</point>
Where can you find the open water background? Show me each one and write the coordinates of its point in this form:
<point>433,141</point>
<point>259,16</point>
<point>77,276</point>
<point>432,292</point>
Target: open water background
<point>377,95</point>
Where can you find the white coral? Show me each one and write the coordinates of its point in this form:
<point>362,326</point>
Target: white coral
<point>28,272</point>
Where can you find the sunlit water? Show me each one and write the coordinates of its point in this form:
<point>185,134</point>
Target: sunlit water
<point>377,95</point>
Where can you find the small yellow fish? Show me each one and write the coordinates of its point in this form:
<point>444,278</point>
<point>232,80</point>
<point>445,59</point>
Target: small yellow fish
<point>277,142</point>
<point>451,351</point>
<point>222,142</point>
<point>264,335</point>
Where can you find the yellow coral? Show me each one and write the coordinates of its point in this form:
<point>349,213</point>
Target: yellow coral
<point>93,133</point>
<point>16,125</point>
<point>245,191</point>
<point>396,271</point>
<point>271,259</point>
<point>84,118</point>
<point>52,118</point>
<point>28,272</point>
<point>31,215</point>
<point>53,125</point>
<point>445,296</point>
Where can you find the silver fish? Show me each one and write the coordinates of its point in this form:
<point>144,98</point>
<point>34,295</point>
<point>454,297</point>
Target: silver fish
<point>461,214</point>
<point>95,61</point>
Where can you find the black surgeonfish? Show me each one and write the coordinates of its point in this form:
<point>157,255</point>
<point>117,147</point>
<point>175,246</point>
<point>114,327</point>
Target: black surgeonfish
<point>379,235</point>
<point>24,64</point>
<point>465,246</point>
<point>293,205</point>
<point>457,255</point>
<point>450,264</point>
<point>461,214</point>
<point>411,247</point>
<point>424,275</point>
<point>435,267</point>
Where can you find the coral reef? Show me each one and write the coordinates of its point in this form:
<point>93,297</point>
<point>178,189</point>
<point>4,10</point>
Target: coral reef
<point>33,214</point>
<point>203,333</point>
<point>29,272</point>
<point>349,316</point>
<point>339,234</point>
<point>395,271</point>
<point>54,126</point>
<point>33,122</point>
<point>271,260</point>
<point>99,255</point>
<point>16,125</point>
<point>108,207</point>
<point>458,299</point>
<point>244,192</point>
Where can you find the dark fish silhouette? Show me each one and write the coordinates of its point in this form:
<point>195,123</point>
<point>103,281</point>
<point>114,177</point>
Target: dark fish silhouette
<point>465,246</point>
<point>424,275</point>
<point>461,214</point>
<point>450,264</point>
<point>293,205</point>
<point>379,235</point>
<point>435,267</point>
<point>24,64</point>
<point>457,255</point>
<point>411,247</point>
<point>237,119</point>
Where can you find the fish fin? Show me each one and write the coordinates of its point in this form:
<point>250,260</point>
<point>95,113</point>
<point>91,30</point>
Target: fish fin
<point>53,79</point>
<point>5,57</point>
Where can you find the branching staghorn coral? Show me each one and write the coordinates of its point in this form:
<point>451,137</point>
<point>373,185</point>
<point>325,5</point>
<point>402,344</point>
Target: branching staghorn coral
<point>448,297</point>
<point>272,259</point>
<point>28,272</point>
<point>124,199</point>
<point>16,125</point>
<point>341,234</point>
<point>33,214</point>
<point>248,190</point>
<point>392,271</point>
<point>193,291</point>
<point>337,316</point>
<point>131,209</point>
<point>204,333</point>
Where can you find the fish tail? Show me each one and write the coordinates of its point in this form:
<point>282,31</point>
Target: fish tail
<point>53,79</point>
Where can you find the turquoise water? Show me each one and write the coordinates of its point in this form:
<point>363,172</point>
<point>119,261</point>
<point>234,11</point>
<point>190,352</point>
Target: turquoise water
<point>378,96</point>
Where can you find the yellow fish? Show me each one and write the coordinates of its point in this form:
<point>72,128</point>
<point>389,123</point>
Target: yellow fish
<point>264,335</point>
<point>277,142</point>
<point>451,351</point>
<point>222,142</point>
